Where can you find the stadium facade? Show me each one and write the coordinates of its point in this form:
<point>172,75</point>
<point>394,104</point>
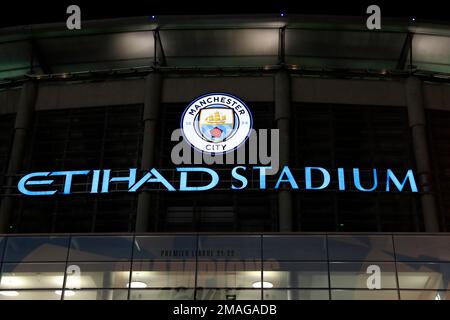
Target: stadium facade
<point>110,95</point>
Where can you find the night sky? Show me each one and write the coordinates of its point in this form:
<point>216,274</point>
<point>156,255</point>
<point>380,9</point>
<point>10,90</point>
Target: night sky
<point>16,12</point>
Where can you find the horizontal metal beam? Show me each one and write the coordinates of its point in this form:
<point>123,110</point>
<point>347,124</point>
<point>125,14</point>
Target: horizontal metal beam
<point>104,75</point>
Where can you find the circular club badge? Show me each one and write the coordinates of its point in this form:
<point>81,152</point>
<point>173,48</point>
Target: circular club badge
<point>216,123</point>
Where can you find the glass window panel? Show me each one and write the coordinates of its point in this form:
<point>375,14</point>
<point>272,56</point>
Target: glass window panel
<point>364,295</point>
<point>228,294</point>
<point>99,275</point>
<point>36,249</point>
<point>356,275</point>
<point>30,295</point>
<point>229,247</point>
<point>424,295</point>
<point>104,248</point>
<point>422,248</point>
<point>173,294</point>
<point>294,247</point>
<point>228,274</point>
<point>2,244</point>
<point>32,275</point>
<point>272,294</point>
<point>296,274</point>
<point>423,275</point>
<point>360,248</point>
<point>95,294</point>
<point>164,247</point>
<point>163,274</point>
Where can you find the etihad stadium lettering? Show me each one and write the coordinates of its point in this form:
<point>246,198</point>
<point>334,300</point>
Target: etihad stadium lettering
<point>203,179</point>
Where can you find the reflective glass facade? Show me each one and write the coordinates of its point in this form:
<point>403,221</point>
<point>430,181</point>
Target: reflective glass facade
<point>225,267</point>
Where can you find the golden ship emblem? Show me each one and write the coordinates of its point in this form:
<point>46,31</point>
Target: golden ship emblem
<point>216,118</point>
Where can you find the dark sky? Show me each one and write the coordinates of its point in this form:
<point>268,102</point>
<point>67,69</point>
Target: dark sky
<point>17,12</point>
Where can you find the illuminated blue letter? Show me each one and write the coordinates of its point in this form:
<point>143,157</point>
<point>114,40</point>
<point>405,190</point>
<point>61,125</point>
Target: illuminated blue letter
<point>95,180</point>
<point>106,180</point>
<point>357,180</point>
<point>308,180</point>
<point>68,180</point>
<point>239,177</point>
<point>24,182</point>
<point>341,179</point>
<point>262,176</point>
<point>148,178</point>
<point>409,176</point>
<point>290,178</point>
<point>183,179</point>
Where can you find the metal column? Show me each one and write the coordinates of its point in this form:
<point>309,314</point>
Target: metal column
<point>282,120</point>
<point>417,123</point>
<point>22,126</point>
<point>151,114</point>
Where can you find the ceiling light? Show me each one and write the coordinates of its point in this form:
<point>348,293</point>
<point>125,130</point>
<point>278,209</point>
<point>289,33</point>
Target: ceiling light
<point>67,293</point>
<point>11,281</point>
<point>264,284</point>
<point>136,285</point>
<point>9,293</point>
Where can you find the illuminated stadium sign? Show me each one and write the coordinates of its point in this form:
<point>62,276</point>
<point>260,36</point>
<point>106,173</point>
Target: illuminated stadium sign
<point>216,123</point>
<point>100,181</point>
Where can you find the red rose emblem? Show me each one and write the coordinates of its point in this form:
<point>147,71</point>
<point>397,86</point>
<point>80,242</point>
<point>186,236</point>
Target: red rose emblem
<point>216,132</point>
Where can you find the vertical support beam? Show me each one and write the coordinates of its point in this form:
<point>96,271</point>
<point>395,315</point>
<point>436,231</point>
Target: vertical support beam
<point>281,45</point>
<point>417,123</point>
<point>407,48</point>
<point>24,115</point>
<point>294,282</point>
<point>108,282</point>
<point>153,85</point>
<point>411,66</point>
<point>282,119</point>
<point>159,58</point>
<point>36,52</point>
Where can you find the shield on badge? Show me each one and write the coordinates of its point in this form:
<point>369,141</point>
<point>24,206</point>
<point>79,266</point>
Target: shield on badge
<point>216,124</point>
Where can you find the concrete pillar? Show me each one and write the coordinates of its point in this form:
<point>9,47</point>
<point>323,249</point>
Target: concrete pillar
<point>282,119</point>
<point>417,123</point>
<point>294,283</point>
<point>153,85</point>
<point>23,122</point>
<point>108,282</point>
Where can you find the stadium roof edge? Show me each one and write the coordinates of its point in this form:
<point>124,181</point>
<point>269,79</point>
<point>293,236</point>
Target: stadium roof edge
<point>349,23</point>
<point>324,42</point>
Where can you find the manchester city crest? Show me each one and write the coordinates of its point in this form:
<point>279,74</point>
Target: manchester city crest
<point>216,123</point>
